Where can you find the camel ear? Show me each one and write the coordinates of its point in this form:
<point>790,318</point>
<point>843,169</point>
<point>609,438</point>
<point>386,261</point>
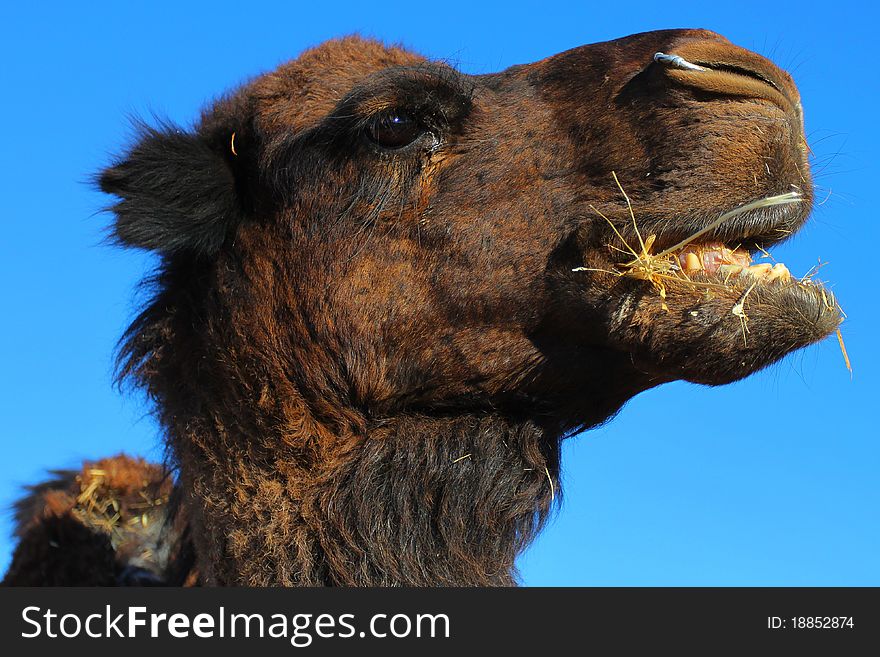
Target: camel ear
<point>178,191</point>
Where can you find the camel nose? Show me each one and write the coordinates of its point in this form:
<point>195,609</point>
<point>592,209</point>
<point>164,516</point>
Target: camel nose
<point>717,66</point>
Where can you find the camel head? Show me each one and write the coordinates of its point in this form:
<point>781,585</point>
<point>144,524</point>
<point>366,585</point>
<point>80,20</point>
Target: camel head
<point>387,289</point>
<point>395,236</point>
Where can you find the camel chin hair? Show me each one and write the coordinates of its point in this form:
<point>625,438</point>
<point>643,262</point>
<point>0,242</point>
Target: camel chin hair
<point>388,290</point>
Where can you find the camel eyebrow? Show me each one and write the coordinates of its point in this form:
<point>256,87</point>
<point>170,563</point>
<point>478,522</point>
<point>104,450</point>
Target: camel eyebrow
<point>429,90</point>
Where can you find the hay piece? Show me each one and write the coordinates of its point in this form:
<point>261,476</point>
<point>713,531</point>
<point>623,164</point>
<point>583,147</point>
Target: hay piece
<point>843,351</point>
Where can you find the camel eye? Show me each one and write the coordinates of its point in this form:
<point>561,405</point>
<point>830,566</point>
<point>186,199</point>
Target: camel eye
<point>394,130</point>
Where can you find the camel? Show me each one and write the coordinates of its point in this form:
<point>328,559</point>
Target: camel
<point>389,290</point>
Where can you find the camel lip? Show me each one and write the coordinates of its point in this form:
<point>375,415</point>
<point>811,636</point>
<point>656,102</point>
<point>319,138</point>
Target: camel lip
<point>804,299</point>
<point>753,231</point>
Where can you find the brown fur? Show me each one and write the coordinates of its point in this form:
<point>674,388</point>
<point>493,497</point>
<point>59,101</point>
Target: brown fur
<point>104,525</point>
<point>365,358</point>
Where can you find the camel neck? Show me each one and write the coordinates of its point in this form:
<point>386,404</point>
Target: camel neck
<point>416,500</point>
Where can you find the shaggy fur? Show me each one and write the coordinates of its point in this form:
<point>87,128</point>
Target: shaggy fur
<point>104,525</point>
<point>366,339</point>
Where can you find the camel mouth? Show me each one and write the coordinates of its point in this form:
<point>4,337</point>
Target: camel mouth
<point>713,266</point>
<point>713,269</point>
<point>722,253</point>
<point>708,294</point>
<point>717,261</point>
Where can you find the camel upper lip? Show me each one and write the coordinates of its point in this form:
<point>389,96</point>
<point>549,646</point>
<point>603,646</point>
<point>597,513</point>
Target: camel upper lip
<point>751,231</point>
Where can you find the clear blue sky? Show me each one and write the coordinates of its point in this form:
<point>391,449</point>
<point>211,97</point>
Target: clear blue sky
<point>771,481</point>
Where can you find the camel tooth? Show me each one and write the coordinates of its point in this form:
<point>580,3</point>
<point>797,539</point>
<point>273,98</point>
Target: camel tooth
<point>729,271</point>
<point>760,270</point>
<point>692,262</point>
<point>779,272</point>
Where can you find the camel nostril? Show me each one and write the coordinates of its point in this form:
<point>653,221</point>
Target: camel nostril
<point>726,70</point>
<point>746,72</point>
<point>679,62</point>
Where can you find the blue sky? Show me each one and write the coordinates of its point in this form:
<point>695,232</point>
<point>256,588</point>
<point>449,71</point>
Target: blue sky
<point>770,481</point>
